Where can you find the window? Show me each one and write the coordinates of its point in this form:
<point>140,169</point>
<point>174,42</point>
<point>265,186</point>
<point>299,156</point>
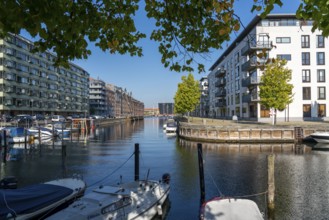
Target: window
<point>283,56</point>
<point>305,41</point>
<point>320,58</point>
<point>321,75</point>
<point>306,110</point>
<point>306,93</point>
<point>321,92</point>
<point>321,110</point>
<point>306,75</point>
<point>319,41</point>
<point>283,40</point>
<point>306,58</point>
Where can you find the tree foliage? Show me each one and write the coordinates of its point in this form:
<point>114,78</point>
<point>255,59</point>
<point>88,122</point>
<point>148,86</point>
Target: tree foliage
<point>182,28</point>
<point>275,90</point>
<point>187,96</point>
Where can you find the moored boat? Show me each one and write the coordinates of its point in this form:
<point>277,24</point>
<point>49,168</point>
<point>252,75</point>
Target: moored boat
<point>42,131</point>
<point>320,137</point>
<point>40,199</point>
<point>16,134</point>
<point>140,199</point>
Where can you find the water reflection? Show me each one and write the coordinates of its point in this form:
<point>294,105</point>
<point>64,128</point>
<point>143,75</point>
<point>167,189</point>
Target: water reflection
<point>301,171</point>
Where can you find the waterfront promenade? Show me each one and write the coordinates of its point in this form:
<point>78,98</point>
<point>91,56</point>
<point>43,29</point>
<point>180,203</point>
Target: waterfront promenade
<point>217,130</point>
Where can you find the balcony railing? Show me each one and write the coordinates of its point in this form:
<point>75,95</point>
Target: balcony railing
<point>251,81</point>
<point>253,97</point>
<point>259,45</point>
<point>220,82</point>
<point>220,93</point>
<point>220,72</point>
<point>253,63</point>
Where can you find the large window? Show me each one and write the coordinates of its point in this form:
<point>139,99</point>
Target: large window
<point>283,40</point>
<point>321,75</point>
<point>321,92</point>
<point>284,56</point>
<point>321,110</point>
<point>305,41</point>
<point>319,41</point>
<point>307,110</point>
<point>306,93</point>
<point>306,58</point>
<point>306,75</point>
<point>320,58</point>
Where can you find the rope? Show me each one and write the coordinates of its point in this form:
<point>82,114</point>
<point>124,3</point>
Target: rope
<point>208,173</point>
<point>251,195</point>
<point>111,172</point>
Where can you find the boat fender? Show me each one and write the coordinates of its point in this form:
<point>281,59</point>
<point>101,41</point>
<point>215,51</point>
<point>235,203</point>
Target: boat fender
<point>166,178</point>
<point>159,210</point>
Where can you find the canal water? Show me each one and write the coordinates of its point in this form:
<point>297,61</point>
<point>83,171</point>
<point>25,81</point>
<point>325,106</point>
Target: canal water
<point>105,156</point>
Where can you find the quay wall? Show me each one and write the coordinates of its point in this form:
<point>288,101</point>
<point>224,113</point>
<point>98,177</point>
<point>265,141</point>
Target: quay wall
<point>232,134</point>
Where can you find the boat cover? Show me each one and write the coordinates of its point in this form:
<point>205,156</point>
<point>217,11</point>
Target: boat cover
<point>30,199</point>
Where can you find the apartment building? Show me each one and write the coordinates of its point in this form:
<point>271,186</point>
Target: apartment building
<point>126,105</point>
<point>98,97</point>
<point>31,84</point>
<point>202,110</point>
<point>234,78</point>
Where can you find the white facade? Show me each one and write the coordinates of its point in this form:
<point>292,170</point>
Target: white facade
<point>234,78</point>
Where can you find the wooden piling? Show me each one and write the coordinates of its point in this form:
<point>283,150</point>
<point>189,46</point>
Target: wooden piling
<point>201,174</point>
<point>271,182</point>
<point>136,162</point>
<point>4,146</point>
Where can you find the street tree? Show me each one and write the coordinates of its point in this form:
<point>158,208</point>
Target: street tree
<point>276,89</point>
<point>187,96</point>
<point>182,29</point>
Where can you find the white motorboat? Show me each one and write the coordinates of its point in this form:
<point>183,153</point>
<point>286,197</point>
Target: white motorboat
<point>40,199</point>
<point>60,129</point>
<point>42,131</point>
<point>171,127</point>
<point>320,137</point>
<point>141,199</point>
<point>230,208</point>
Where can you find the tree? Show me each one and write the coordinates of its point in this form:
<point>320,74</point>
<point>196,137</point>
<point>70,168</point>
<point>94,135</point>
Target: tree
<point>182,28</point>
<point>188,95</point>
<point>275,89</point>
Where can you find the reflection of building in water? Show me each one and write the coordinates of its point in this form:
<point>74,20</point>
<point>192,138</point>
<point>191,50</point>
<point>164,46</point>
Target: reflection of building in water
<point>257,147</point>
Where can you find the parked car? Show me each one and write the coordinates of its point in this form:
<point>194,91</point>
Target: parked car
<point>22,120</point>
<point>38,117</point>
<point>57,118</point>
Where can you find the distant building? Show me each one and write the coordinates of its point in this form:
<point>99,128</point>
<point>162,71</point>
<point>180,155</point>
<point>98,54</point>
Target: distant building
<point>97,97</point>
<point>202,109</point>
<point>151,111</point>
<point>166,108</point>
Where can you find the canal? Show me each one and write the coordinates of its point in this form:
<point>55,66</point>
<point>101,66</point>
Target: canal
<point>301,174</point>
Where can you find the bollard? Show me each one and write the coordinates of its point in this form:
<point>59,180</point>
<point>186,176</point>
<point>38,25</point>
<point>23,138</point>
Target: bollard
<point>271,182</point>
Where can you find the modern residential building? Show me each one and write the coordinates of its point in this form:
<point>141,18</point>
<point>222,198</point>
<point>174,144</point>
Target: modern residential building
<point>98,97</point>
<point>166,108</point>
<point>202,110</point>
<point>234,78</point>
<point>30,83</point>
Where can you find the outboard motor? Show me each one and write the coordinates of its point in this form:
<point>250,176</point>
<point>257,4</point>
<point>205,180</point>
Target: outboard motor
<point>166,178</point>
<point>9,182</point>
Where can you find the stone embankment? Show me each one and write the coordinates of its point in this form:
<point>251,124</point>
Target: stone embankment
<point>225,131</point>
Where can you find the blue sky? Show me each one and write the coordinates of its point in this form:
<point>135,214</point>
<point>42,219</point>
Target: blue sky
<point>145,76</point>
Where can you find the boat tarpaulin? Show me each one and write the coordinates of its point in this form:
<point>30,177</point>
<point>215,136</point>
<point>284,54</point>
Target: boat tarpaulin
<point>30,199</point>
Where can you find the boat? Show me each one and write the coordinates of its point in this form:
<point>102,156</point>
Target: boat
<point>60,129</point>
<point>42,131</point>
<point>140,199</point>
<point>39,200</point>
<point>171,127</point>
<point>16,134</point>
<point>230,208</point>
<point>320,137</point>
<point>225,208</point>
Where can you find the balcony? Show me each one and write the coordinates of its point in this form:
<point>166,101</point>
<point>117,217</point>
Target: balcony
<point>221,82</point>
<point>220,93</point>
<point>253,97</point>
<point>220,73</point>
<point>253,46</point>
<point>253,64</point>
<point>251,81</point>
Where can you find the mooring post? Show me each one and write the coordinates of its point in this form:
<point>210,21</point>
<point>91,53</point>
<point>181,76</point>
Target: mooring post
<point>4,145</point>
<point>271,182</point>
<point>136,162</point>
<point>25,138</point>
<point>201,174</point>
